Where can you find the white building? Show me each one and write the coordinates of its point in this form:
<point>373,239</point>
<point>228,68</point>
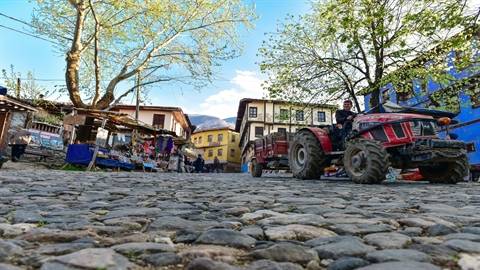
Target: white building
<point>169,118</point>
<point>259,117</point>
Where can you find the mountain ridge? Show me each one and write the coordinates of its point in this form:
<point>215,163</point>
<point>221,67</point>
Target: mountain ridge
<point>205,122</point>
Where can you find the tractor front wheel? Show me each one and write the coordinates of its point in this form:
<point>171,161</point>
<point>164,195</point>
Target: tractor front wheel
<point>305,156</point>
<point>365,161</point>
<point>257,168</point>
<point>446,172</point>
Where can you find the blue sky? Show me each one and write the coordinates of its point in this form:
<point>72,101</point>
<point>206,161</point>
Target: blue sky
<point>238,78</point>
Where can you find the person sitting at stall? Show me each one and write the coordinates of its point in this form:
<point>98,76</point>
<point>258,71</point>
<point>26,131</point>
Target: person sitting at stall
<point>188,165</point>
<point>198,164</point>
<point>19,139</point>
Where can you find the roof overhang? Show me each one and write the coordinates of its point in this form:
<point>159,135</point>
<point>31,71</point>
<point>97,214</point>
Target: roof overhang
<point>125,120</point>
<point>177,112</point>
<point>8,104</point>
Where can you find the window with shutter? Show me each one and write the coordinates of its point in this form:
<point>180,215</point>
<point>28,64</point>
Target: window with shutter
<point>158,120</point>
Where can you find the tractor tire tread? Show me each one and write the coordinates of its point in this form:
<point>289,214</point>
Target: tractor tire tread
<point>313,167</point>
<point>379,161</point>
<point>454,173</point>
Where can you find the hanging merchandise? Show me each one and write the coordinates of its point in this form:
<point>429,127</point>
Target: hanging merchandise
<point>161,144</point>
<point>164,144</point>
<point>169,147</point>
<point>146,148</point>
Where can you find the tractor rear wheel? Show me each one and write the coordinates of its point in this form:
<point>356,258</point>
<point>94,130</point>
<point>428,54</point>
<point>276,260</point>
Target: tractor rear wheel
<point>365,161</point>
<point>305,156</point>
<point>257,168</point>
<point>446,172</point>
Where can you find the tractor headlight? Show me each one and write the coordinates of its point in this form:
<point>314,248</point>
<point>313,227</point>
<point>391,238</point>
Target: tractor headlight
<point>444,121</point>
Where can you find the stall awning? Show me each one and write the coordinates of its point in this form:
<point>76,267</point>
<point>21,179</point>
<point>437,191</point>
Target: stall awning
<point>12,104</point>
<point>125,120</point>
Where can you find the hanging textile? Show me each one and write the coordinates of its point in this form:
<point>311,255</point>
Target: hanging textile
<point>169,146</point>
<point>164,144</point>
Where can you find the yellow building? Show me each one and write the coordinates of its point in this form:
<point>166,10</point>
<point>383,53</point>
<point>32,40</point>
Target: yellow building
<point>221,143</point>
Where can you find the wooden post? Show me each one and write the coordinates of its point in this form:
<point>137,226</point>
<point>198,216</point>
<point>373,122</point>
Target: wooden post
<point>155,144</point>
<point>95,152</point>
<point>17,94</point>
<point>5,118</point>
<point>137,107</point>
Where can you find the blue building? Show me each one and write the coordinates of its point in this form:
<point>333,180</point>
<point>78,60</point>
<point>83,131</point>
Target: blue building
<point>466,103</point>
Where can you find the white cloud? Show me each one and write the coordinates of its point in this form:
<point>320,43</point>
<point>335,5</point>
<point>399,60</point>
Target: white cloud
<point>246,84</point>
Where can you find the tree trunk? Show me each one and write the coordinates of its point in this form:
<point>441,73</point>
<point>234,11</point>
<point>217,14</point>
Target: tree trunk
<point>74,57</point>
<point>105,101</point>
<point>96,60</point>
<point>355,102</point>
<point>375,100</point>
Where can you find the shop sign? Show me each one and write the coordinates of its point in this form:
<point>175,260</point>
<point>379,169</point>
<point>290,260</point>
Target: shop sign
<point>102,135</point>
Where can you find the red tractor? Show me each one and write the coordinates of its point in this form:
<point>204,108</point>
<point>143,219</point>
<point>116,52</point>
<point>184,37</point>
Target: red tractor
<point>376,142</point>
<point>271,152</point>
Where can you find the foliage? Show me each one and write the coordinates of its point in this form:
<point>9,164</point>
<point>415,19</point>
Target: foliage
<point>111,41</point>
<point>344,46</point>
<point>45,117</point>
<point>28,87</point>
<point>71,167</point>
<point>41,223</point>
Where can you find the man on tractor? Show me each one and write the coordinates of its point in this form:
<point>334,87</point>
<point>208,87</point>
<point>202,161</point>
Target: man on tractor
<point>344,119</point>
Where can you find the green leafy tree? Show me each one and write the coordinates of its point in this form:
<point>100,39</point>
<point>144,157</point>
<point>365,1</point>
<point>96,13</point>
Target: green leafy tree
<point>344,46</point>
<point>28,88</point>
<point>107,42</point>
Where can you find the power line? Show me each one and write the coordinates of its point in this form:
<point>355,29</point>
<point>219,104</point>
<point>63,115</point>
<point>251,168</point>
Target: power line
<point>42,80</point>
<point>105,80</point>
<point>29,25</point>
<point>15,19</point>
<point>28,34</point>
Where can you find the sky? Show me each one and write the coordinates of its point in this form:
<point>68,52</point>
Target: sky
<point>236,79</point>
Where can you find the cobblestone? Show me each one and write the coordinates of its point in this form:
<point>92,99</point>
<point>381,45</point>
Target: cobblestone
<point>77,220</point>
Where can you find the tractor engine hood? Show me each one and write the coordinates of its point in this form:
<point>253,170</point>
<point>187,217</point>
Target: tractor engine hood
<point>389,117</point>
<point>390,107</point>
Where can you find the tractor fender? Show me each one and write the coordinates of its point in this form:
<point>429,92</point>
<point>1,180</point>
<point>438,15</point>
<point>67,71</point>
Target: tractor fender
<point>322,137</point>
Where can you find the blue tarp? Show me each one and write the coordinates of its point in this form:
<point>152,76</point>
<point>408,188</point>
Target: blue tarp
<point>126,166</point>
<point>81,154</point>
<point>106,162</point>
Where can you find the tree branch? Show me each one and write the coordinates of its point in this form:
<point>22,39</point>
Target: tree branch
<point>96,57</point>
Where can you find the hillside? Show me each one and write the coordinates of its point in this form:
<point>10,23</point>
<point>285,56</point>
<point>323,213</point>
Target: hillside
<point>203,122</point>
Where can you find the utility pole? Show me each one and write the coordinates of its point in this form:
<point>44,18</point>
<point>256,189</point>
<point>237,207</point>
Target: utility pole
<point>137,109</point>
<point>17,94</point>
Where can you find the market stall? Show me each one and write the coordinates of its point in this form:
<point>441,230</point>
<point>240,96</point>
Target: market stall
<point>13,117</point>
<point>116,140</point>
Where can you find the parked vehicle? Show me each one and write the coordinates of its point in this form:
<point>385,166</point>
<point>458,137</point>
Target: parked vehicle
<point>378,141</point>
<point>271,152</point>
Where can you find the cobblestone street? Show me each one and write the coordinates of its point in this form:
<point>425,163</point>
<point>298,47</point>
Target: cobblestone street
<point>73,220</point>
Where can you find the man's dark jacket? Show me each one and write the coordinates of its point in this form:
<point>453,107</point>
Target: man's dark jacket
<point>341,116</point>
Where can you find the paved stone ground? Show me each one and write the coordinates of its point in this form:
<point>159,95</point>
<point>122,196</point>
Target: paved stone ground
<point>72,220</point>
